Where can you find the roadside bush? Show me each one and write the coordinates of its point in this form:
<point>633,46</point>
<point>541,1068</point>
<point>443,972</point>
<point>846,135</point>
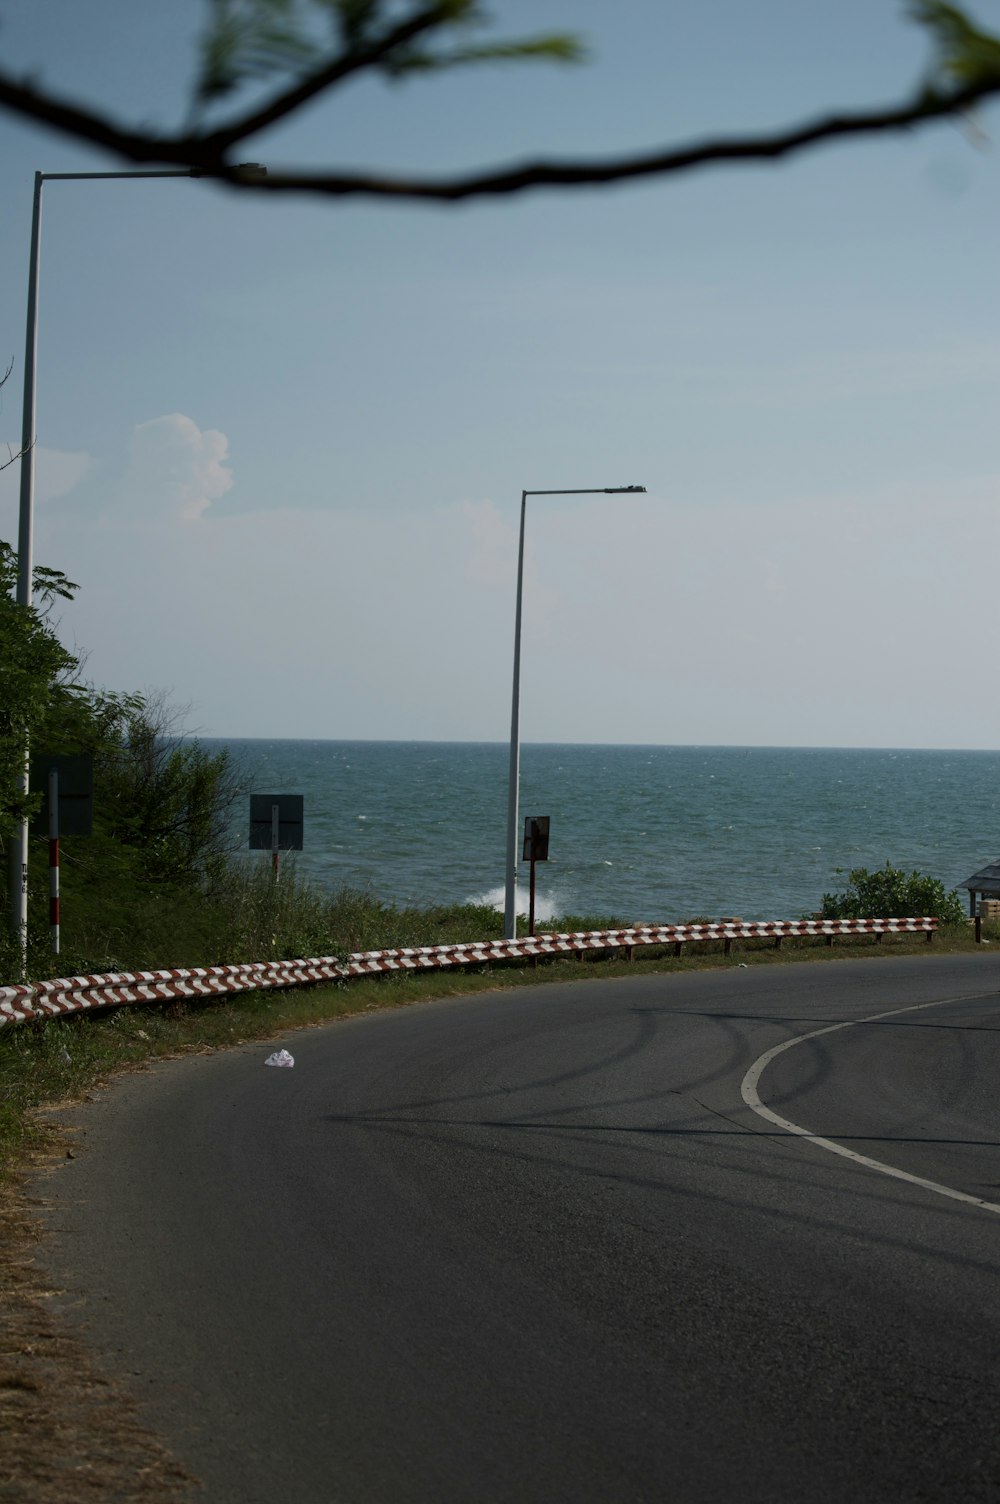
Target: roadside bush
<point>268,921</point>
<point>891,893</point>
<point>165,796</point>
<point>36,674</point>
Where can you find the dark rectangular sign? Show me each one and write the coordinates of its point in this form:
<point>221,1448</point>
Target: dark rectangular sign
<point>536,838</point>
<point>291,820</point>
<point>76,793</point>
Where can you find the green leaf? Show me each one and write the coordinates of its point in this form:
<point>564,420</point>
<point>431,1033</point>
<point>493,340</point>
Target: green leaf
<point>963,54</point>
<point>890,893</point>
<point>557,48</point>
<point>246,40</point>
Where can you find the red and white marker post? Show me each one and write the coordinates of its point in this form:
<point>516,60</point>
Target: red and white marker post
<point>54,858</point>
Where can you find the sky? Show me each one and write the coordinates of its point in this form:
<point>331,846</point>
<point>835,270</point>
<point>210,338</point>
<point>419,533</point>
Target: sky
<point>282,443</point>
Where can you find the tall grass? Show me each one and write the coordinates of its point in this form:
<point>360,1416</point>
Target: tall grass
<point>125,923</point>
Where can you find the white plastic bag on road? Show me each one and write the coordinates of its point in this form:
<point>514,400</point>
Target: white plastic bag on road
<point>280,1057</point>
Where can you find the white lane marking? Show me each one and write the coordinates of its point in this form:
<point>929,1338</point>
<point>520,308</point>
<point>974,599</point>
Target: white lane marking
<point>753,1101</point>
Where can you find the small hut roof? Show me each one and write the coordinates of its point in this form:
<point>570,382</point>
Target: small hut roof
<point>986,881</point>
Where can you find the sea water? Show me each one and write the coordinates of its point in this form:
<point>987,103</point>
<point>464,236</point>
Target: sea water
<point>638,832</point>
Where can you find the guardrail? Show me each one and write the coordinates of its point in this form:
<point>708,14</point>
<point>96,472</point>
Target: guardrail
<point>40,1000</point>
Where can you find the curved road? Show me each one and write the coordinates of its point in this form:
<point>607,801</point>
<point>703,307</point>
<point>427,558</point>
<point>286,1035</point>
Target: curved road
<point>570,1243</point>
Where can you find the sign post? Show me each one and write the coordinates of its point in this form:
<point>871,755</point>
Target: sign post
<point>54,858</point>
<point>536,849</point>
<point>67,785</point>
<point>276,825</point>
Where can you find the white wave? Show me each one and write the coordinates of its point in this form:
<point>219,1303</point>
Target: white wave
<point>547,905</point>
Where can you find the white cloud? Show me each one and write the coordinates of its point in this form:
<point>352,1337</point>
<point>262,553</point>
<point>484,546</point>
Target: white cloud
<point>175,470</point>
<point>831,619</point>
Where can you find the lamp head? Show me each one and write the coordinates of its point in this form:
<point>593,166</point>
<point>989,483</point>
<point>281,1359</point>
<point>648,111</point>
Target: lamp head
<point>621,490</point>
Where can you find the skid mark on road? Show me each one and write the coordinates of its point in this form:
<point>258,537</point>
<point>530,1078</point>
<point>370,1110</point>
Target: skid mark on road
<point>751,1096</point>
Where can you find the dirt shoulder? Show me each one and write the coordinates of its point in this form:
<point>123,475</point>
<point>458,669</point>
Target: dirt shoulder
<point>67,1433</point>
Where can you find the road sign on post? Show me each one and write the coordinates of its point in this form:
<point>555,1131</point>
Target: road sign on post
<point>67,786</point>
<point>536,849</point>
<point>536,838</point>
<point>76,793</point>
<point>276,824</point>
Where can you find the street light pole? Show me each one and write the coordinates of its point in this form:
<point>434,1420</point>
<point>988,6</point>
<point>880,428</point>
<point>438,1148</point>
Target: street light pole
<point>26,513</point>
<point>514,765</point>
<point>18,873</point>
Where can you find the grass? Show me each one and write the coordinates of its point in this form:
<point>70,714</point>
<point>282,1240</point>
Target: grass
<point>121,922</point>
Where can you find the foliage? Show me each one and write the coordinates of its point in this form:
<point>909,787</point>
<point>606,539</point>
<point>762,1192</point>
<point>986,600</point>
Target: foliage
<point>35,675</point>
<point>142,885</point>
<point>248,39</point>
<point>311,48</point>
<point>166,797</point>
<point>963,54</point>
<point>266,920</point>
<point>891,893</point>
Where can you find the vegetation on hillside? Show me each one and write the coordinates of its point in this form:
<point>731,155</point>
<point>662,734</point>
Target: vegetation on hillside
<point>159,856</point>
<point>160,882</point>
<point>891,893</point>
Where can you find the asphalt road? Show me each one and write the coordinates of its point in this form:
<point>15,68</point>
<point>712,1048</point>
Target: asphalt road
<point>536,1246</point>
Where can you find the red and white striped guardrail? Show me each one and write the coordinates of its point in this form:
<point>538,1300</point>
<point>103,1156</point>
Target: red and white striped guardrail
<point>82,994</point>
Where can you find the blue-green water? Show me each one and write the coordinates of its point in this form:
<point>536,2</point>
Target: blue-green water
<point>644,833</point>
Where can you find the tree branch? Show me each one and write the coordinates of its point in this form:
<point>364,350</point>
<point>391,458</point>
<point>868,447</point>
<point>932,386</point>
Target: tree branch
<point>321,79</point>
<point>662,163</point>
<point>86,125</point>
<point>11,455</point>
<point>206,154</point>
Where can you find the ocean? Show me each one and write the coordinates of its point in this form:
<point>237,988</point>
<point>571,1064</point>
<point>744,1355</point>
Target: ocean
<point>639,833</point>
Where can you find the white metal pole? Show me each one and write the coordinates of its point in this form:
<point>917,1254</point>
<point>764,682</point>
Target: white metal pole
<point>25,522</point>
<point>18,870</point>
<point>513,773</point>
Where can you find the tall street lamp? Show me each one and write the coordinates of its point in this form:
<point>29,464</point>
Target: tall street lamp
<point>18,878</point>
<point>510,887</point>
